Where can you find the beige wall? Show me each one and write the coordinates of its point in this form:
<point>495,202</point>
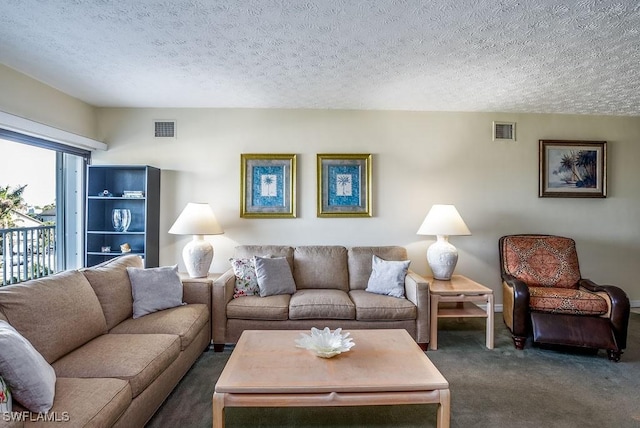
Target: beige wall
<point>28,98</point>
<point>419,159</point>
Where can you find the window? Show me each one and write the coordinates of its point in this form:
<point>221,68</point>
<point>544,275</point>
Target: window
<point>41,225</point>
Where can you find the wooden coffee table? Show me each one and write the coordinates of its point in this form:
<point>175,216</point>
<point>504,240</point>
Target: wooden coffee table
<point>385,367</point>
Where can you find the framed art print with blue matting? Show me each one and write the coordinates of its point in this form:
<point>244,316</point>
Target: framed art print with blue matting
<point>344,185</point>
<point>267,185</point>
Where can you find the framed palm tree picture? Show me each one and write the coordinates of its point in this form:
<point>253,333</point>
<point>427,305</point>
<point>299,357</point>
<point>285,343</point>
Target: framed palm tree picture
<point>573,169</point>
<point>267,185</point>
<point>344,185</point>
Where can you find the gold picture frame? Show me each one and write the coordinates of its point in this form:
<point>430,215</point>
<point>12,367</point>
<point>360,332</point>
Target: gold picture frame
<point>267,185</point>
<point>344,185</point>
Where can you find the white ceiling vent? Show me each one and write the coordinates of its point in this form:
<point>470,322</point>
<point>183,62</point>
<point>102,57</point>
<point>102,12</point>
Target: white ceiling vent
<point>165,128</point>
<point>504,131</point>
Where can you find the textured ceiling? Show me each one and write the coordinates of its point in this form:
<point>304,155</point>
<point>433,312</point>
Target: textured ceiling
<point>573,56</point>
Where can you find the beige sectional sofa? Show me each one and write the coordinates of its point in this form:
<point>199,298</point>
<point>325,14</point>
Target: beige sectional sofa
<point>111,369</point>
<point>330,284</point>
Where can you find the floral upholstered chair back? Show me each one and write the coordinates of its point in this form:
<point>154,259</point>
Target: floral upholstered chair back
<point>541,260</point>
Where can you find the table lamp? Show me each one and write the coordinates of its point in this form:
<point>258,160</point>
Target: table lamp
<point>443,221</point>
<point>197,219</point>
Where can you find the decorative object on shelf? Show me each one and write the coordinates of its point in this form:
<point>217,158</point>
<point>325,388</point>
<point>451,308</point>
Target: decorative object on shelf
<point>132,194</point>
<point>125,248</point>
<point>121,219</point>
<point>105,249</point>
<point>572,169</point>
<point>267,185</point>
<point>197,219</point>
<point>344,185</point>
<point>325,343</point>
<point>443,221</point>
<point>105,194</point>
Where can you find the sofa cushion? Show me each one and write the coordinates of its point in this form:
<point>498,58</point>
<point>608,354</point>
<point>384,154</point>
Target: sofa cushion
<point>273,308</point>
<point>65,302</point>
<point>360,262</point>
<point>154,289</point>
<point>111,283</point>
<point>387,277</point>
<point>91,402</point>
<point>321,304</point>
<point>566,301</point>
<point>137,358</point>
<point>377,307</point>
<point>31,379</point>
<point>321,267</point>
<point>249,251</point>
<point>185,321</point>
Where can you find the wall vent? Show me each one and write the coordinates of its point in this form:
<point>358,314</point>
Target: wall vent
<point>165,128</point>
<point>504,131</point>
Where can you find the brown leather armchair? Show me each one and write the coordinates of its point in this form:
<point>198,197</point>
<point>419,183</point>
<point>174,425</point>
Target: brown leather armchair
<point>545,296</point>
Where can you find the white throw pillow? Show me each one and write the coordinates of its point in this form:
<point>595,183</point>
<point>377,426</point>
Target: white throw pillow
<point>274,276</point>
<point>154,289</point>
<point>32,380</point>
<point>246,280</point>
<point>5,397</point>
<point>387,277</point>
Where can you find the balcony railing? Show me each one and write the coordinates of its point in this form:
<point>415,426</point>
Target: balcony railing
<point>27,253</point>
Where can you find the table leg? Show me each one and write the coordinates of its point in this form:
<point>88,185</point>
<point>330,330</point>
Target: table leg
<point>444,409</point>
<point>490,317</point>
<point>218,410</point>
<point>433,328</point>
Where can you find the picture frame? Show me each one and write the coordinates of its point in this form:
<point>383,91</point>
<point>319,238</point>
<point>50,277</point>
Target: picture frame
<point>344,185</point>
<point>572,169</point>
<point>267,185</point>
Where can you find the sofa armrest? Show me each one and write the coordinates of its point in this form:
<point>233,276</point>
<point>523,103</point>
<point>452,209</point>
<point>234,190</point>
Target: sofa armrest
<point>619,309</point>
<point>197,290</point>
<point>416,289</point>
<point>222,294</point>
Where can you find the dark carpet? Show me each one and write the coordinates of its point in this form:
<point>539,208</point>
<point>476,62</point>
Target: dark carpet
<point>502,387</point>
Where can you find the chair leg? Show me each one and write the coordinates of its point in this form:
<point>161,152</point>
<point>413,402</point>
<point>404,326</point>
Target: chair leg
<point>614,355</point>
<point>519,341</point>
<point>218,347</point>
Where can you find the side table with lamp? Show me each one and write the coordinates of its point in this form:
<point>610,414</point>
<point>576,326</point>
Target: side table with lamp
<point>457,294</point>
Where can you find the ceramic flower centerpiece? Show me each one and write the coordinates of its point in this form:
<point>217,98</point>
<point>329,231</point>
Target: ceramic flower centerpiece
<point>325,343</point>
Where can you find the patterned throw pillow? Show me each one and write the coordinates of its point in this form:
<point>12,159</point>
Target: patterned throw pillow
<point>5,397</point>
<point>246,280</point>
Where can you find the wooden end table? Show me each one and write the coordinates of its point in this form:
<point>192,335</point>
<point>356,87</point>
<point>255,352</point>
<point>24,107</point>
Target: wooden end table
<point>385,367</point>
<point>459,296</point>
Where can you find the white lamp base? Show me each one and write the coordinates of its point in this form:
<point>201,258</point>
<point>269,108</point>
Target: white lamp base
<point>197,256</point>
<point>442,258</point>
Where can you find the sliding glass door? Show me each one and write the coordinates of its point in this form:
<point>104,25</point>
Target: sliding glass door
<point>41,207</point>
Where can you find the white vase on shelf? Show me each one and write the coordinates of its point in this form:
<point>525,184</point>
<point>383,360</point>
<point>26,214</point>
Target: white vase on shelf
<point>121,219</point>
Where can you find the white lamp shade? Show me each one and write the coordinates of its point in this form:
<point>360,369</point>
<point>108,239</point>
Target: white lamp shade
<point>443,220</point>
<point>196,219</point>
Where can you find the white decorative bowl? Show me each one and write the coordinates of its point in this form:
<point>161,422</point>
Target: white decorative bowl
<point>325,343</point>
